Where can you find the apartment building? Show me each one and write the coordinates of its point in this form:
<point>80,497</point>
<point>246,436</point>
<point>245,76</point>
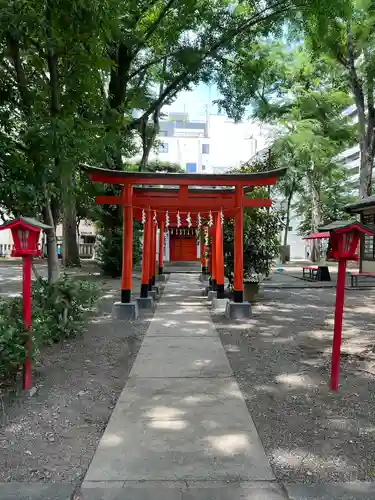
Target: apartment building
<point>213,145</point>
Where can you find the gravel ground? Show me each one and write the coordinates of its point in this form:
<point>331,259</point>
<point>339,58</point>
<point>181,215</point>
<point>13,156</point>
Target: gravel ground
<point>52,436</point>
<point>280,359</point>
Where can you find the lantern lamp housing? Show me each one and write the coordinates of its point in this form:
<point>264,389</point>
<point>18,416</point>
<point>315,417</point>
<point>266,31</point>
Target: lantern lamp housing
<point>25,233</point>
<point>344,239</point>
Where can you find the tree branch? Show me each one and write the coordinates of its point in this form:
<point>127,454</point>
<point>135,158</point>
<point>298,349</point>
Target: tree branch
<point>154,61</point>
<point>52,64</point>
<point>261,16</point>
<point>356,82</point>
<point>14,49</point>
<point>154,26</point>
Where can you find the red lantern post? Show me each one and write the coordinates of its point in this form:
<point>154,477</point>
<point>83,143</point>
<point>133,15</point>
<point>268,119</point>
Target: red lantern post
<point>344,241</point>
<point>25,233</point>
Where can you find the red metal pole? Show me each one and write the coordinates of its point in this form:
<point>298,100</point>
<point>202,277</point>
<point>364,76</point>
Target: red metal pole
<point>26,307</point>
<point>146,254</point>
<point>127,246</point>
<point>219,258</point>
<point>161,246</point>
<point>337,330</point>
<point>238,256</point>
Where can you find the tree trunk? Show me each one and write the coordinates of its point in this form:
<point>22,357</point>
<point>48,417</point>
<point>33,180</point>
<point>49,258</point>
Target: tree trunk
<point>148,135</point>
<point>52,258</point>
<point>316,215</point>
<point>287,219</point>
<point>70,251</point>
<point>366,166</point>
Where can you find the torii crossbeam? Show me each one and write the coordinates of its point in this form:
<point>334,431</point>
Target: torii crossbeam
<point>151,196</point>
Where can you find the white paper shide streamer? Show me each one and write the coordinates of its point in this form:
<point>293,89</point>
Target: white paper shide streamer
<point>166,219</point>
<point>178,218</point>
<point>188,220</point>
<point>143,216</point>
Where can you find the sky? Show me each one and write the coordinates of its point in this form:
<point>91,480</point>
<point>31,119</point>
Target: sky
<point>196,102</point>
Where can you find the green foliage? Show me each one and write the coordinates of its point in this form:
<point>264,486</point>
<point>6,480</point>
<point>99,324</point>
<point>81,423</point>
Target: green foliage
<point>109,251</point>
<point>58,312</point>
<point>262,228</point>
<point>335,193</point>
<point>261,242</point>
<point>12,348</point>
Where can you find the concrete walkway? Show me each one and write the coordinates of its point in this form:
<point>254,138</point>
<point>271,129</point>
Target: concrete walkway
<point>181,429</point>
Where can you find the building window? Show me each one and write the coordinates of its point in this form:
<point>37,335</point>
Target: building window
<point>368,241</point>
<point>290,228</point>
<point>203,168</point>
<point>205,149</point>
<point>163,147</point>
<point>191,168</point>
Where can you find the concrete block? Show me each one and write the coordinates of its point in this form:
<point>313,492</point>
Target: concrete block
<point>205,290</point>
<point>161,278</point>
<point>238,310</point>
<point>219,304</point>
<point>212,295</point>
<point>153,294</point>
<point>125,311</point>
<point>145,302</point>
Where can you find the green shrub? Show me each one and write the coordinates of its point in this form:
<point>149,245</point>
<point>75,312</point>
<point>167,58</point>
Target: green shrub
<point>12,349</point>
<point>58,312</point>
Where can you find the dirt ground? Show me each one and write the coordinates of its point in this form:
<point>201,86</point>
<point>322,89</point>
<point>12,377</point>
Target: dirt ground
<point>52,436</point>
<point>281,361</point>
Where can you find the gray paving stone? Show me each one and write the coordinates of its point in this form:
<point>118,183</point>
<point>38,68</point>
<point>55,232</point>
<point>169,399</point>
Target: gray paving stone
<point>329,491</point>
<point>181,415</point>
<point>234,491</point>
<point>35,491</point>
<point>140,491</point>
<point>181,357</point>
<point>167,429</point>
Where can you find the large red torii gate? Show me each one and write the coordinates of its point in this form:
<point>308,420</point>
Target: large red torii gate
<point>149,196</point>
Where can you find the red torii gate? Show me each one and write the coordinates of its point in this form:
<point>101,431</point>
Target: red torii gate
<point>183,195</point>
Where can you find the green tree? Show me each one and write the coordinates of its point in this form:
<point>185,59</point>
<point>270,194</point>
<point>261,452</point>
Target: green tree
<point>348,40</point>
<point>304,100</point>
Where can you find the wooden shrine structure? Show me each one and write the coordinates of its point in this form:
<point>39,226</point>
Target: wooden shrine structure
<point>193,201</point>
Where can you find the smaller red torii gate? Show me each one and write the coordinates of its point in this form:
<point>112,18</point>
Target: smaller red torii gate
<point>182,200</point>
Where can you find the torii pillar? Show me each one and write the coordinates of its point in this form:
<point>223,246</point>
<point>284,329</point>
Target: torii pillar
<point>145,301</point>
<point>126,309</point>
<point>238,309</point>
<point>213,255</point>
<point>219,253</point>
<point>161,247</point>
<point>203,251</point>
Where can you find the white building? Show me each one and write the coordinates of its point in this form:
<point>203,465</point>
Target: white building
<point>210,146</point>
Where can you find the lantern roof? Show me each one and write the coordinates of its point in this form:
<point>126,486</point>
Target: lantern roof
<point>341,225</point>
<point>27,222</point>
